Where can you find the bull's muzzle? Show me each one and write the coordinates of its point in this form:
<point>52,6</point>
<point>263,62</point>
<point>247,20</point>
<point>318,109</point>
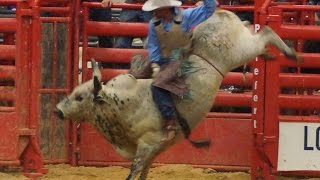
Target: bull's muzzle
<point>59,113</point>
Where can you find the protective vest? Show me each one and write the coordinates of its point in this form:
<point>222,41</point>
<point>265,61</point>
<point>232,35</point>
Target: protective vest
<point>174,38</point>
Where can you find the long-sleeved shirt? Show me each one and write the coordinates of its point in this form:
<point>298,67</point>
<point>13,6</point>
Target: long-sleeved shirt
<point>190,18</point>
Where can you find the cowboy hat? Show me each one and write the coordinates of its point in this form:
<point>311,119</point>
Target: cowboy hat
<point>151,5</point>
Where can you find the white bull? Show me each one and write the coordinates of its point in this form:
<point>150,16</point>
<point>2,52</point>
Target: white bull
<point>124,111</point>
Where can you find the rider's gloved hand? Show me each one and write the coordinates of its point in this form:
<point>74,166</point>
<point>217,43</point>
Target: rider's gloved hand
<point>155,69</point>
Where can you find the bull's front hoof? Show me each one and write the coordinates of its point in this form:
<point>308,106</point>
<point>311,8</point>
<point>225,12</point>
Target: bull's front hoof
<point>293,55</point>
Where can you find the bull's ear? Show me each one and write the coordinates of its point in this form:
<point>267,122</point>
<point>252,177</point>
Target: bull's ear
<point>99,99</point>
<point>96,86</point>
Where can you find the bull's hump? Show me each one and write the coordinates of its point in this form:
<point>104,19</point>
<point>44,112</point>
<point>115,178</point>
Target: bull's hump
<point>123,81</point>
<point>223,17</point>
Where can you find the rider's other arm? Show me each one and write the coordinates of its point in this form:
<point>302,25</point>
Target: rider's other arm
<point>153,44</point>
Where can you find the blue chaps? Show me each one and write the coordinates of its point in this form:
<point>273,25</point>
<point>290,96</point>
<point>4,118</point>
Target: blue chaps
<point>164,102</point>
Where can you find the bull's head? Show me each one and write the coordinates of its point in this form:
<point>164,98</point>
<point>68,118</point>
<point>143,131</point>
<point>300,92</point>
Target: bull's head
<point>79,104</point>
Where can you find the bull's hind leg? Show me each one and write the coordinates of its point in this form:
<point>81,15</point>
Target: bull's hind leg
<point>144,156</point>
<point>269,36</point>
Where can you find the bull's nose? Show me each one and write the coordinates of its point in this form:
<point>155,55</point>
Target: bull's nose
<point>59,113</point>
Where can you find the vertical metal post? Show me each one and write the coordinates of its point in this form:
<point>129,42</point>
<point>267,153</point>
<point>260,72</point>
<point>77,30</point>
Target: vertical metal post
<point>27,48</point>
<point>73,156</point>
<point>259,161</point>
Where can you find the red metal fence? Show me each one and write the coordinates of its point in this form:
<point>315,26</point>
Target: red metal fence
<point>286,100</point>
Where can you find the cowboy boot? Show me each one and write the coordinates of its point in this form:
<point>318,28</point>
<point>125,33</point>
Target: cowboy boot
<point>170,129</point>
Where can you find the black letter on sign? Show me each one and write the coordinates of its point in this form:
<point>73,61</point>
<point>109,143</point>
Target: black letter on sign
<point>318,138</point>
<point>306,139</point>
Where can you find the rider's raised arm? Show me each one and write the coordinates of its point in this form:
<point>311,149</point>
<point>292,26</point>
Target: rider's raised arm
<point>194,16</point>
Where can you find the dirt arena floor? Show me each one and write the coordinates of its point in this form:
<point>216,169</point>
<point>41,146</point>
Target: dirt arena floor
<point>167,172</point>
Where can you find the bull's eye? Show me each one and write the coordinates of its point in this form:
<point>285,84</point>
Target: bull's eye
<point>79,98</point>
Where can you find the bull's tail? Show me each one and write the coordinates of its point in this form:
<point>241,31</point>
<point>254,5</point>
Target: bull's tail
<point>186,131</point>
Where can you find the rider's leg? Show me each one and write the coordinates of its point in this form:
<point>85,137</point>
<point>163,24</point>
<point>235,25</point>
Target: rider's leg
<point>166,106</point>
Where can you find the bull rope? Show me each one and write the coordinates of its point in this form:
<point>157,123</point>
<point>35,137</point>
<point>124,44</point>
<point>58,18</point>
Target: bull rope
<point>211,64</point>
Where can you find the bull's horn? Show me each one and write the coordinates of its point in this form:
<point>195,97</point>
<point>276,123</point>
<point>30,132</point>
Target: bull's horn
<point>96,71</point>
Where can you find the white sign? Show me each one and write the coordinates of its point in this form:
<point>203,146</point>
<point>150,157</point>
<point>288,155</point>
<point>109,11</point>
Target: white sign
<point>299,146</point>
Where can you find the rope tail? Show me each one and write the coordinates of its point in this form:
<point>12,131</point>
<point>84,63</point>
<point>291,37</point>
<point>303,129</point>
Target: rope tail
<point>186,131</point>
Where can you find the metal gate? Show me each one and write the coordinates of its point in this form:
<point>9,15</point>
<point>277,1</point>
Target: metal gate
<point>53,73</point>
<point>286,98</point>
<point>36,71</point>
<point>52,76</point>
<point>20,143</point>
